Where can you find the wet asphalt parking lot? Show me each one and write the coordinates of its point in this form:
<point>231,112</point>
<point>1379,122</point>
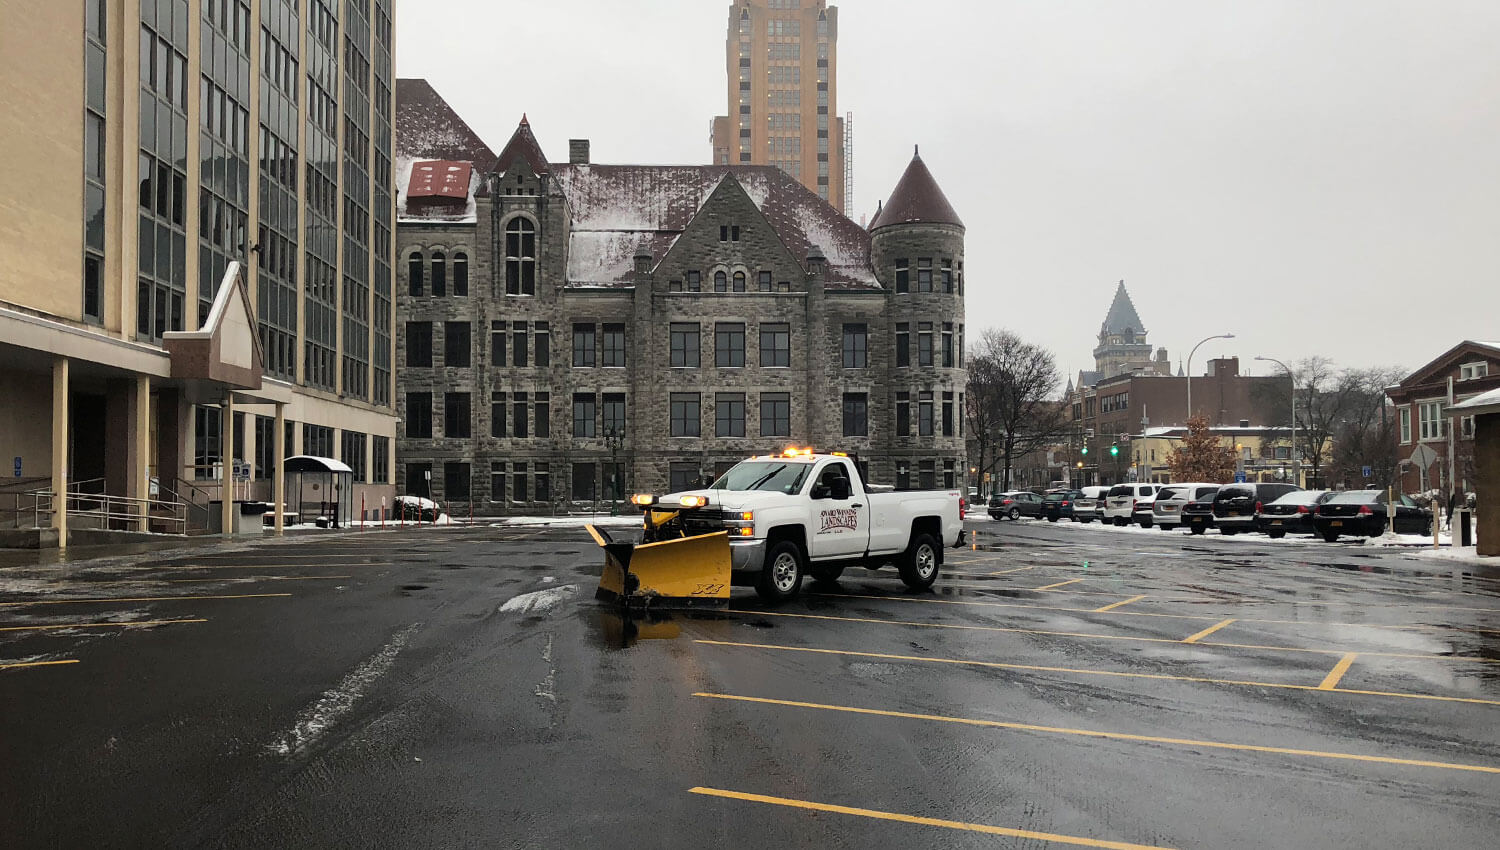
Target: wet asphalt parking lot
<point>1063,686</point>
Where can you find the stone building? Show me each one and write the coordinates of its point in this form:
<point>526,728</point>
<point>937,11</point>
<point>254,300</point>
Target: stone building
<point>564,320</point>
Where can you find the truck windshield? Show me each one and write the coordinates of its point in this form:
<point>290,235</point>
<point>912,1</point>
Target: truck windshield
<point>764,475</point>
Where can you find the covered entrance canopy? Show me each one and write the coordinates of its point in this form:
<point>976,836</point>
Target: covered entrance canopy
<point>320,488</point>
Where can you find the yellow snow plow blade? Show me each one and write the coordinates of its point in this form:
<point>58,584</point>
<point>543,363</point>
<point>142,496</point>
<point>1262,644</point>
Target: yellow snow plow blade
<point>682,571</point>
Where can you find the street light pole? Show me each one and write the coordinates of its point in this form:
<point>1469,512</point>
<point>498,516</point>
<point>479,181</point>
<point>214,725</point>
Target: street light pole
<point>613,438</point>
<point>1296,455</point>
<point>1190,370</point>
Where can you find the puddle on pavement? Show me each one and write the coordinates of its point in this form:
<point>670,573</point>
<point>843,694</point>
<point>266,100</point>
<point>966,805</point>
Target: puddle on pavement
<point>619,629</point>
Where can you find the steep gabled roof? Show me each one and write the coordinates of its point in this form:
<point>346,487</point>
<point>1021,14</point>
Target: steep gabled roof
<point>1122,315</point>
<point>522,146</point>
<point>1446,361</point>
<point>428,128</point>
<point>618,208</point>
<point>916,199</point>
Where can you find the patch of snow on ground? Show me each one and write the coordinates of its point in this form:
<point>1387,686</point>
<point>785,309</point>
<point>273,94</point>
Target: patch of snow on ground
<point>540,600</point>
<point>318,718</point>
<point>569,521</point>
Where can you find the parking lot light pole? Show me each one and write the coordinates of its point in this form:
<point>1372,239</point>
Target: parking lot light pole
<point>1190,371</point>
<point>1296,456</point>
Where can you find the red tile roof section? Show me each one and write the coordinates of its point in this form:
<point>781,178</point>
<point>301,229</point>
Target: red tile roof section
<point>440,179</point>
<point>427,128</point>
<point>916,198</point>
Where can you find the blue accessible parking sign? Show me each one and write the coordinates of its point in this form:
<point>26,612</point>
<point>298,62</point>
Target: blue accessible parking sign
<point>1368,472</point>
<point>18,467</point>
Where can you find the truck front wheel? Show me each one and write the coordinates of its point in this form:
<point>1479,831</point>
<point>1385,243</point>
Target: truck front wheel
<point>781,577</point>
<point>919,564</point>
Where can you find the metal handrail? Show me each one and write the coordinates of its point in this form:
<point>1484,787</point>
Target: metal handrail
<point>112,509</point>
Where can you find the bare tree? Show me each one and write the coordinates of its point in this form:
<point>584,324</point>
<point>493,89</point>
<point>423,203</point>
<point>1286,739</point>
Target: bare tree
<point>1323,399</point>
<point>1013,401</point>
<point>1366,434</point>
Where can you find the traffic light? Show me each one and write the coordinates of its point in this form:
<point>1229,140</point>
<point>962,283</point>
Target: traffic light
<point>1085,450</point>
<point>1114,451</point>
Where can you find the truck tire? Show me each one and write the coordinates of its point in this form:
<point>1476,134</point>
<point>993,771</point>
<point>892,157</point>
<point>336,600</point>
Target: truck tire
<point>826,575</point>
<point>1275,535</point>
<point>1146,523</point>
<point>781,576</point>
<point>919,563</point>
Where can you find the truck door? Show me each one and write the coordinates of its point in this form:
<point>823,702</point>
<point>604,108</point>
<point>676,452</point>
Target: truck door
<point>840,517</point>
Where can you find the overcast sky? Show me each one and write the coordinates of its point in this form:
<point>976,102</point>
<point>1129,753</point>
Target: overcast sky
<point>1314,176</point>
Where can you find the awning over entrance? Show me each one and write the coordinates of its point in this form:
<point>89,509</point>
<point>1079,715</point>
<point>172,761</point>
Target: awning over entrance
<point>311,463</point>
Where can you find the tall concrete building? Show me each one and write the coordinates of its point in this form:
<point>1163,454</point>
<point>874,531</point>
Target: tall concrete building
<point>781,58</point>
<point>197,220</point>
<point>572,330</point>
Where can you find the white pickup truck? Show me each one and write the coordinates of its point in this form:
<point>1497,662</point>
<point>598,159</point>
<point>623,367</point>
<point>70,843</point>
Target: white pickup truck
<point>799,512</point>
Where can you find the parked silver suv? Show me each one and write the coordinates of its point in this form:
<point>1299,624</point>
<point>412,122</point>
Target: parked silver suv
<point>1166,511</point>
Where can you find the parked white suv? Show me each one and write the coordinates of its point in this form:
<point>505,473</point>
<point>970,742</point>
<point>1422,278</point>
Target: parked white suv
<point>1166,510</point>
<point>1128,503</point>
<point>1089,505</point>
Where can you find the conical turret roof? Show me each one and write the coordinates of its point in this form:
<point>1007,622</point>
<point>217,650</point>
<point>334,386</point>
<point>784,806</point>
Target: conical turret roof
<point>916,199</point>
<point>1122,315</point>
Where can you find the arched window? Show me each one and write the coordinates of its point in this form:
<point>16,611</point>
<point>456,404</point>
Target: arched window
<point>721,282</point>
<point>439,273</point>
<point>414,274</point>
<point>739,281</point>
<point>520,257</point>
<point>460,273</point>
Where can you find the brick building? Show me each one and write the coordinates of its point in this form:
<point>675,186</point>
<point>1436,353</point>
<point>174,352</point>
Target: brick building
<point>1424,417</point>
<point>561,318</point>
<point>1130,390</point>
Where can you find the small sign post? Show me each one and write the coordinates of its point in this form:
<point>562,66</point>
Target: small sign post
<point>1368,472</point>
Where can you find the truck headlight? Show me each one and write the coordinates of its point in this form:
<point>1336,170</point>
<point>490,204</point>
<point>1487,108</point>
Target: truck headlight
<point>692,501</point>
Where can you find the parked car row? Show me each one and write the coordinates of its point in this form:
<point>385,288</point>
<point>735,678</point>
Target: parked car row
<point>1271,508</point>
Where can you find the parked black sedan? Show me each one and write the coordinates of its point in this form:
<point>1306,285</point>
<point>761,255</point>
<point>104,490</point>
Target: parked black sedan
<point>1292,513</point>
<point>1059,504</point>
<point>1363,513</point>
<point>1198,515</point>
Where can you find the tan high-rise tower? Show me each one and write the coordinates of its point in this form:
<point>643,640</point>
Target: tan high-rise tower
<point>782,63</point>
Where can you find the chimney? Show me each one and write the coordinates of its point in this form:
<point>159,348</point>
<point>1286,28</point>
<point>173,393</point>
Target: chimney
<point>642,258</point>
<point>816,263</point>
<point>578,151</point>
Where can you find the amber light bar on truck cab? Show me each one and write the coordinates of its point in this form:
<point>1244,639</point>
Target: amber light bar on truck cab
<point>646,500</point>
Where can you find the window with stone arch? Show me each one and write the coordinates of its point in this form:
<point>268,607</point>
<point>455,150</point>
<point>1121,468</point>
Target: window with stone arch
<point>739,281</point>
<point>520,257</point>
<point>415,269</point>
<point>439,273</point>
<point>721,281</point>
<point>460,273</point>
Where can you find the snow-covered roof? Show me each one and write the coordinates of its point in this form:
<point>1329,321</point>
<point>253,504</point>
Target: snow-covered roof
<point>1483,403</point>
<point>313,463</point>
<point>618,210</point>
<point>467,213</point>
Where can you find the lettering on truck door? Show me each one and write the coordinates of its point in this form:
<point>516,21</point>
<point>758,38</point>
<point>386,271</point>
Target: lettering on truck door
<point>841,517</point>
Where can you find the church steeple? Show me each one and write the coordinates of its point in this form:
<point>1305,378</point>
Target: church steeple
<point>1122,341</point>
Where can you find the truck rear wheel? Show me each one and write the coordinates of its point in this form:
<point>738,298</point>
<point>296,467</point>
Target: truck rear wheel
<point>919,564</point>
<point>781,577</point>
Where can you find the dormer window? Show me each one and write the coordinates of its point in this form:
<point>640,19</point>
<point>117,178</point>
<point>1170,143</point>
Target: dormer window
<point>1471,371</point>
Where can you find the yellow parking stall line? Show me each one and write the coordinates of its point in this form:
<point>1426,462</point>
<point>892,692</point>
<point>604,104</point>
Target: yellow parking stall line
<point>1016,570</point>
<point>1114,605</point>
<point>248,578</point>
<point>1050,586</point>
<point>139,599</point>
<point>99,625</point>
<point>924,821</point>
<point>1206,617</point>
<point>999,665</point>
<point>1113,736</point>
<point>1331,681</point>
<point>1208,631</point>
<point>196,567</point>
<point>1090,636</point>
<point>21,664</point>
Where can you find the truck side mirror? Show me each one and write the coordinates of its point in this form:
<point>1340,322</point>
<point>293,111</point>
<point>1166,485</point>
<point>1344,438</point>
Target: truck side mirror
<point>820,491</point>
<point>840,488</point>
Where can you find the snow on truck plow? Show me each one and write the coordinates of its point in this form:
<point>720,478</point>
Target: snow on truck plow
<point>770,521</point>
